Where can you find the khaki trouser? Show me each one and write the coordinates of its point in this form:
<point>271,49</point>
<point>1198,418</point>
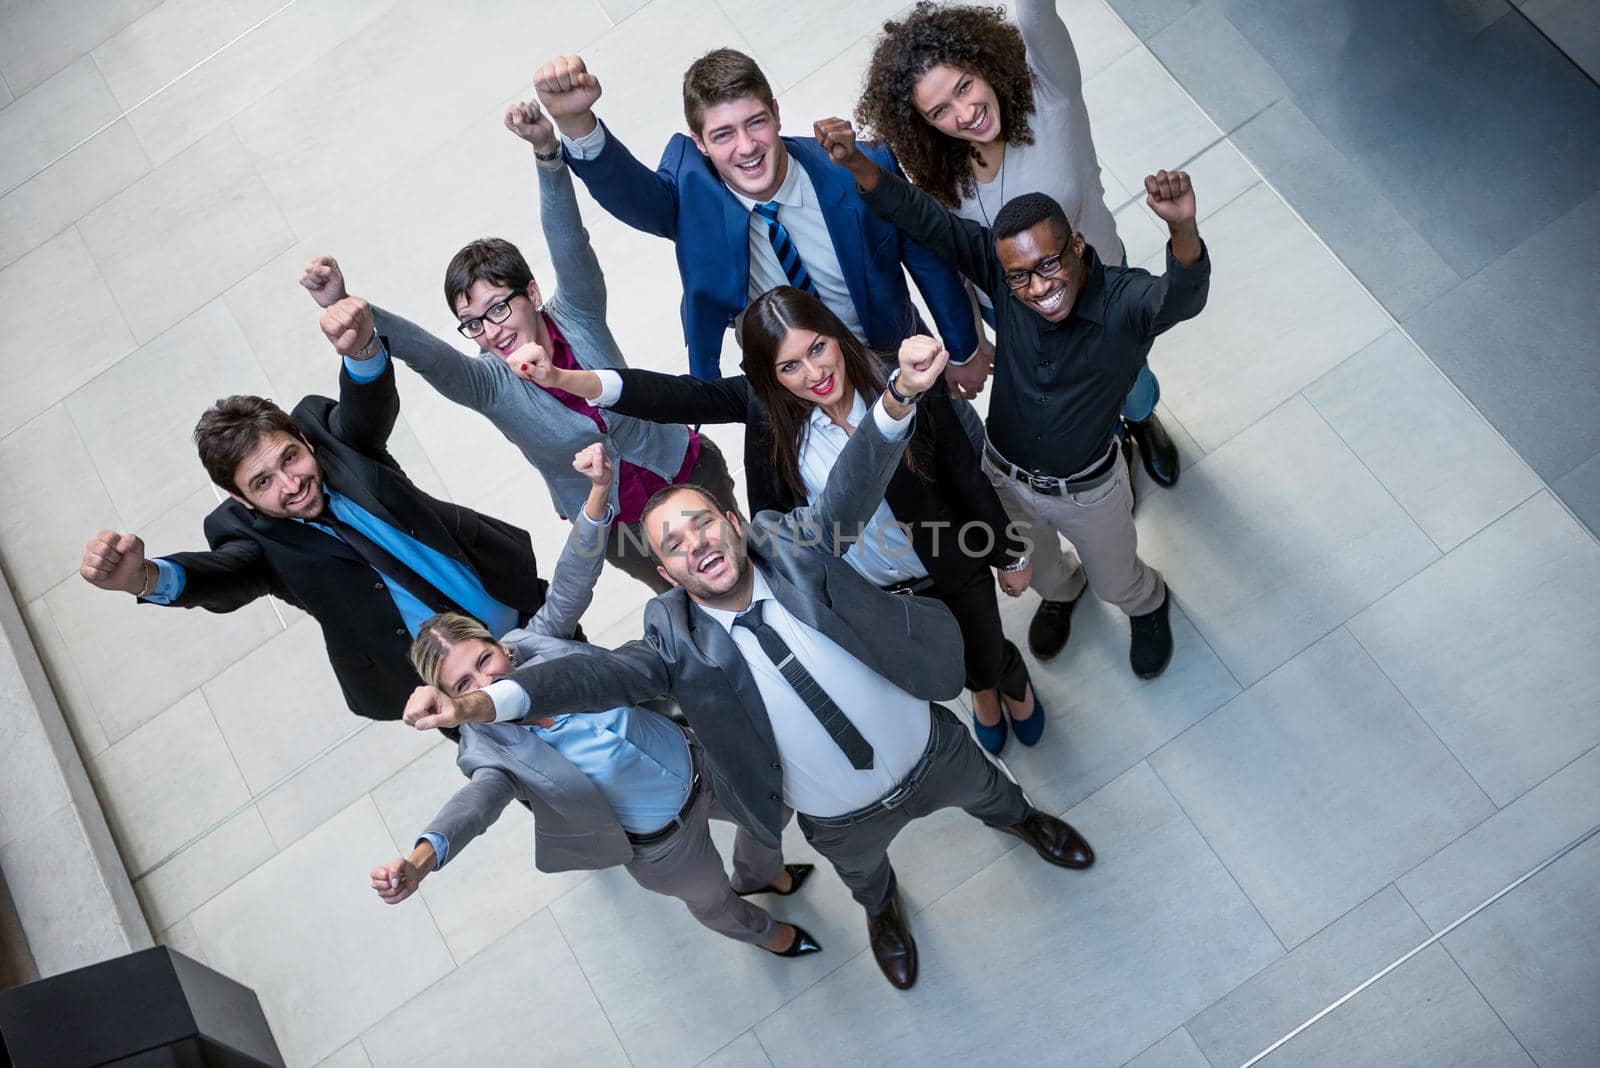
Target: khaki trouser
<point>687,866</point>
<point>1103,549</point>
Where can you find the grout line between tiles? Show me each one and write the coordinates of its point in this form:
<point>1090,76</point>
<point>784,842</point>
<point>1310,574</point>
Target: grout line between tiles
<point>1529,874</point>
<point>599,1004</point>
<point>610,22</point>
<point>764,1050</point>
<point>125,112</point>
<point>1473,983</point>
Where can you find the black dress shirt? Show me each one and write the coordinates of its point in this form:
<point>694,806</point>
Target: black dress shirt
<point>1058,387</point>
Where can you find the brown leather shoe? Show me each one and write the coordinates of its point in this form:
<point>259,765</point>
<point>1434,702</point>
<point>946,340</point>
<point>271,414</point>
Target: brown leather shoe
<point>892,945</point>
<point>1053,839</point>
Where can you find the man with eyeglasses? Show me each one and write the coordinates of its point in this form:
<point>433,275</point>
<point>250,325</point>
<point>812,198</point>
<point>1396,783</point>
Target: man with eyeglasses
<point>1072,337</point>
<point>499,306</point>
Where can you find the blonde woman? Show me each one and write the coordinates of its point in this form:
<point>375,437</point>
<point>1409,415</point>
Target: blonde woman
<point>624,786</point>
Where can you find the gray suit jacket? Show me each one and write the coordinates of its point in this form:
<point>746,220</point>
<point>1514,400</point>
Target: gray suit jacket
<point>911,641</point>
<point>574,826</point>
<point>547,431</point>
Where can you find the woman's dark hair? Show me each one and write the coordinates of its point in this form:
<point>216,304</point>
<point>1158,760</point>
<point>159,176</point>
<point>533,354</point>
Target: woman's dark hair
<point>767,322</point>
<point>977,40</point>
<point>488,259</point>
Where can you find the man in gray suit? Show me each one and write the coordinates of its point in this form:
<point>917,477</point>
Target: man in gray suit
<point>618,787</point>
<point>499,306</point>
<point>811,689</point>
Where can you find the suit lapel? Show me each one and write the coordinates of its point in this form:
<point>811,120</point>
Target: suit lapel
<point>717,647</point>
<point>526,748</point>
<point>842,211</point>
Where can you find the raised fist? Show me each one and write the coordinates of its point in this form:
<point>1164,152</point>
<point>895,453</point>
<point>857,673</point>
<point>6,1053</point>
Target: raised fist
<point>325,281</point>
<point>839,138</point>
<point>529,122</point>
<point>568,92</point>
<point>594,464</point>
<point>348,325</point>
<point>429,708</point>
<point>115,561</point>
<point>1171,196</point>
<point>530,362</point>
<point>922,360</point>
<point>396,880</point>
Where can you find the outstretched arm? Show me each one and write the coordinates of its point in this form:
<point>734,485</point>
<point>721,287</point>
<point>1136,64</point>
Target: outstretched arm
<point>1050,50</point>
<point>580,283</point>
<point>468,813</point>
<point>369,403</point>
<point>572,583</point>
<point>1181,292</point>
<point>648,395</point>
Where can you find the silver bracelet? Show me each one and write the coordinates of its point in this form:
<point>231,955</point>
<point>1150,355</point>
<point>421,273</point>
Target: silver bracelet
<point>551,158</point>
<point>369,350</point>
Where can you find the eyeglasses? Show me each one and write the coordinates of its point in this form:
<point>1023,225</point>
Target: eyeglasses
<point>498,312</point>
<point>1048,267</point>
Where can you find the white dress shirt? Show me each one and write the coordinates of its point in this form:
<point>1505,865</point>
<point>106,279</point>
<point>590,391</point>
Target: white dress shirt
<point>818,779</point>
<point>800,213</point>
<point>884,554</point>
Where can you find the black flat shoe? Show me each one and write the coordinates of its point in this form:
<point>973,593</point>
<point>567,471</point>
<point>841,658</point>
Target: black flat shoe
<point>803,944</point>
<point>799,873</point>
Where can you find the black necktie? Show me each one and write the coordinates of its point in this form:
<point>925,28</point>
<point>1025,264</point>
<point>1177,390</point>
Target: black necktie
<point>388,565</point>
<point>856,748</point>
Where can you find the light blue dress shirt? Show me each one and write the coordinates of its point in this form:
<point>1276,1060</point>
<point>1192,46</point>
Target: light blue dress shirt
<point>639,761</point>
<point>450,577</point>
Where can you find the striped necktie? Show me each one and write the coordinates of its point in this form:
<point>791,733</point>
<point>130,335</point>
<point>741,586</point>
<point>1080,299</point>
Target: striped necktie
<point>783,245</point>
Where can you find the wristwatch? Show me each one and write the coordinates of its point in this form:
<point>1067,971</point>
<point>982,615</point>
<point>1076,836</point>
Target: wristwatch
<point>894,376</point>
<point>1018,564</point>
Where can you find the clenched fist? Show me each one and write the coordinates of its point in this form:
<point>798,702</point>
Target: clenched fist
<point>325,281</point>
<point>595,464</point>
<point>348,325</point>
<point>531,363</point>
<point>1171,196</point>
<point>114,561</point>
<point>528,121</point>
<point>568,92</point>
<point>430,708</point>
<point>922,360</point>
<point>839,138</point>
<point>397,880</point>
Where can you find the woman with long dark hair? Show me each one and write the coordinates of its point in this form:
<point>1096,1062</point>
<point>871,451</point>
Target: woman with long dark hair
<point>979,110</point>
<point>807,383</point>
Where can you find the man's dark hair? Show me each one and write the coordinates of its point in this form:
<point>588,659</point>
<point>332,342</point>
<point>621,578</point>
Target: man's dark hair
<point>718,77</point>
<point>230,430</point>
<point>488,259</point>
<point>1022,212</point>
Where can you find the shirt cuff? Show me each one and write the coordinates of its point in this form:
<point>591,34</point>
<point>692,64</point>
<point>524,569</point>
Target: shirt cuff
<point>588,146</point>
<point>170,581</point>
<point>597,524</point>
<point>892,428</point>
<point>510,700</point>
<point>441,847</point>
<point>370,369</point>
<point>610,388</point>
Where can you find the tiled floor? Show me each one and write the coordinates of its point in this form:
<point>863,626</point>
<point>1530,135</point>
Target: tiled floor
<point>1383,710</point>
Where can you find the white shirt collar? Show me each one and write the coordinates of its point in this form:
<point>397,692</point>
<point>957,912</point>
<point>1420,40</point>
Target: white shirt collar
<point>791,193</point>
<point>759,591</point>
<point>858,411</point>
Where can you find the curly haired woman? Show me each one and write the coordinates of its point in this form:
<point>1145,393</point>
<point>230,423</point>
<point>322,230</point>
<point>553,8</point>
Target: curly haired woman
<point>979,110</point>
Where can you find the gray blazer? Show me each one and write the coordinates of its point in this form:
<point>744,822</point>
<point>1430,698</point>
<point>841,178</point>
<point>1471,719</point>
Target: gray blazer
<point>574,826</point>
<point>911,641</point>
<point>547,431</point>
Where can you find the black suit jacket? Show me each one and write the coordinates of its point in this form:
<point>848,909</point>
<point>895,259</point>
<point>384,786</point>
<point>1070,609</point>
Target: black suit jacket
<point>947,492</point>
<point>913,642</point>
<point>367,641</point>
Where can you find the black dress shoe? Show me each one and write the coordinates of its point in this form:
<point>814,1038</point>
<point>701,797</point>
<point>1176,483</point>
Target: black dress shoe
<point>1051,627</point>
<point>802,945</point>
<point>798,873</point>
<point>1156,450</point>
<point>1150,646</point>
<point>892,945</point>
<point>1053,839</point>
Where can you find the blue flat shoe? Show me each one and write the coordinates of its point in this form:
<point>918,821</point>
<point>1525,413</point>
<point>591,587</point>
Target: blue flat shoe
<point>1028,731</point>
<point>992,738</point>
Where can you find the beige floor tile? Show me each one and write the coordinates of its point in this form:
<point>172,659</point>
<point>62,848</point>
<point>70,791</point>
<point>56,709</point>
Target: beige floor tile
<point>137,418</point>
<point>42,38</point>
<point>561,1025</point>
<point>185,232</point>
<point>1276,538</point>
<point>792,40</point>
<point>166,782</point>
<point>372,753</point>
<point>182,938</point>
<point>138,659</point>
<point>1143,120</point>
<point>54,502</point>
<point>1281,312</point>
<point>53,300</point>
<point>491,885</point>
<point>162,45</point>
<point>64,192</point>
<point>184,883</point>
<point>51,120</point>
<point>1445,465</point>
<point>308,935</point>
<point>279,706</point>
<point>353,1055</point>
<point>1099,35</point>
<point>66,679</point>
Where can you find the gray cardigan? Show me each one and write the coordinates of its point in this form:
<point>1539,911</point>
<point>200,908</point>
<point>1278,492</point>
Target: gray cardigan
<point>547,431</point>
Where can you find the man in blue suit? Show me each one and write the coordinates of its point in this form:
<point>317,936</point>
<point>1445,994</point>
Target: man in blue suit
<point>745,219</point>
